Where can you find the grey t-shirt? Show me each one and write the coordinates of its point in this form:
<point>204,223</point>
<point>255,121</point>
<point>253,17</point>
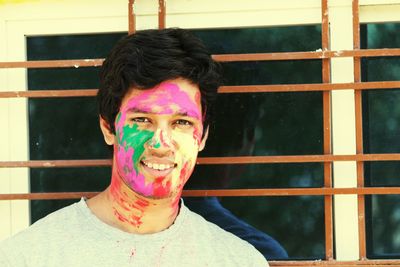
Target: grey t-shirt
<point>74,236</point>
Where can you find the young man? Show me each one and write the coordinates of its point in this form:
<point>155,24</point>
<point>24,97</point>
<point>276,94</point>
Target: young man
<point>155,101</point>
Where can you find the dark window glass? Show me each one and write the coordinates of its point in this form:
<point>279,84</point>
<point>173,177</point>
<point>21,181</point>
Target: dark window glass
<point>303,223</point>
<point>384,230</point>
<point>238,176</point>
<point>381,131</point>
<point>246,124</point>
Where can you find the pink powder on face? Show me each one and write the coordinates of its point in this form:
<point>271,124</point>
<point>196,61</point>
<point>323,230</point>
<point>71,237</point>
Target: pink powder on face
<point>125,160</point>
<point>166,142</point>
<point>159,100</point>
<point>135,180</point>
<point>197,98</point>
<point>197,134</point>
<point>166,98</point>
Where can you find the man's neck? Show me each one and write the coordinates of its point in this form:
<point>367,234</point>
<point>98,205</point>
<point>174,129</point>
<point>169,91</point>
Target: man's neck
<point>123,208</point>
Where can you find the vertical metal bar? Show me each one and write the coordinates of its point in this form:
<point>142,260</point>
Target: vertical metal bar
<point>326,78</point>
<point>359,133</point>
<point>161,14</point>
<point>131,17</point>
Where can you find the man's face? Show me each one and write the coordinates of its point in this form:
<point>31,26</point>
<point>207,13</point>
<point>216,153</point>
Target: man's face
<point>158,136</point>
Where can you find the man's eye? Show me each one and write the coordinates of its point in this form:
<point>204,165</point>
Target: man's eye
<point>184,123</point>
<point>140,120</point>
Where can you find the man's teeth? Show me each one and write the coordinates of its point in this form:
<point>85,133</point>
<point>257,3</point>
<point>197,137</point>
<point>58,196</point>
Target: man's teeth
<point>159,167</point>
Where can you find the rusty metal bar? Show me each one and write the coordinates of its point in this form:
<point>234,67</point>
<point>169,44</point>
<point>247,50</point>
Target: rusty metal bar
<point>131,17</point>
<point>208,160</point>
<point>324,54</point>
<point>308,87</point>
<point>66,63</point>
<point>44,196</point>
<point>222,89</point>
<point>229,193</point>
<point>50,93</point>
<point>161,14</point>
<point>359,133</point>
<point>56,163</point>
<point>76,63</point>
<point>298,159</point>
<point>326,98</point>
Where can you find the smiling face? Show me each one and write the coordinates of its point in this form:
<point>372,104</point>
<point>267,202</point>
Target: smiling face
<point>158,136</point>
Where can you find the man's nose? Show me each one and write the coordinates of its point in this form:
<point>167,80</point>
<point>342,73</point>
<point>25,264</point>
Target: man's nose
<point>161,141</point>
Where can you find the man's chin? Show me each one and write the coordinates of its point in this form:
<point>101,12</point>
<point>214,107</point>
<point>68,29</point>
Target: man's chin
<point>159,190</point>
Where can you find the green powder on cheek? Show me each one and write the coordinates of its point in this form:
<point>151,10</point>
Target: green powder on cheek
<point>135,138</point>
<point>157,145</point>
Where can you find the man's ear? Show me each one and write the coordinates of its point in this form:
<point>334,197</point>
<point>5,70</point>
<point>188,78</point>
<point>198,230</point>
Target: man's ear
<point>109,137</point>
<point>203,141</point>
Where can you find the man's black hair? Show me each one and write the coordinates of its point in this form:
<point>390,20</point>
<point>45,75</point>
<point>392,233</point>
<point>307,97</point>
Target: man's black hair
<point>149,57</point>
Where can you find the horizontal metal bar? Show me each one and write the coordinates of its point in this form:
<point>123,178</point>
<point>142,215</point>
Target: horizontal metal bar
<point>319,54</point>
<point>65,63</point>
<point>209,160</point>
<point>297,159</point>
<point>308,87</point>
<point>46,196</point>
<point>307,55</point>
<point>229,193</point>
<point>223,89</point>
<point>49,93</point>
<point>293,192</point>
<point>56,163</point>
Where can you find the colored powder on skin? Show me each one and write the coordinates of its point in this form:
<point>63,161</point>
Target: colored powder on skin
<point>197,135</point>
<point>163,140</point>
<point>160,189</point>
<point>160,139</point>
<point>131,146</point>
<point>167,98</point>
<point>115,189</point>
<point>162,101</point>
<point>133,209</point>
<point>119,216</point>
<point>136,220</point>
<point>135,216</point>
<point>158,145</point>
<point>141,204</point>
<point>184,171</point>
<point>134,138</point>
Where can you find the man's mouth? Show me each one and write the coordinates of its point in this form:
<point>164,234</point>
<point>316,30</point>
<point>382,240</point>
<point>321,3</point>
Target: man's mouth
<point>158,168</point>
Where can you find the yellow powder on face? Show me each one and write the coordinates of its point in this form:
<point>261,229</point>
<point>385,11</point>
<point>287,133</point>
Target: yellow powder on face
<point>186,152</point>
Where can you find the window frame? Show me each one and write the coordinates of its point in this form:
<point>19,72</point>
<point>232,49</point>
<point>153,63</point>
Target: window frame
<point>43,18</point>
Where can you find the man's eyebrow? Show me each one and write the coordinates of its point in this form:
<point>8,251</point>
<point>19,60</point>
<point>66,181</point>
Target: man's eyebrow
<point>189,113</point>
<point>183,112</point>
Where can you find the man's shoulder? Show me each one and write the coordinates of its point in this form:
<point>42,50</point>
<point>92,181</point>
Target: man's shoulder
<point>218,239</point>
<point>42,232</point>
<point>58,219</point>
<point>211,230</point>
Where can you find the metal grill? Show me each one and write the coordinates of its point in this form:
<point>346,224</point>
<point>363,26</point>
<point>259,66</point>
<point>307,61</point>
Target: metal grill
<point>328,191</point>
